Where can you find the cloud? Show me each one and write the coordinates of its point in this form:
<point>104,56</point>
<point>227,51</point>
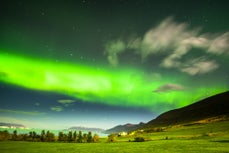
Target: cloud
<point>166,35</point>
<point>176,40</point>
<point>170,87</point>
<point>56,108</point>
<point>34,113</point>
<point>195,65</point>
<point>220,44</point>
<point>112,49</point>
<point>66,102</point>
<point>199,66</point>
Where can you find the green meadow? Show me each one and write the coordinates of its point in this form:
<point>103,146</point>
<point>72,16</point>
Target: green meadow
<point>206,138</point>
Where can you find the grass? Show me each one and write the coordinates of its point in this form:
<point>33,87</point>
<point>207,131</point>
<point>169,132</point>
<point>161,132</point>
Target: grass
<point>157,146</point>
<point>207,138</point>
<point>197,130</point>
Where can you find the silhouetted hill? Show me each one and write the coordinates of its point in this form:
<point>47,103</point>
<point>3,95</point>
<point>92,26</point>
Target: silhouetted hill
<point>80,128</point>
<point>124,128</point>
<point>210,107</point>
<point>9,125</point>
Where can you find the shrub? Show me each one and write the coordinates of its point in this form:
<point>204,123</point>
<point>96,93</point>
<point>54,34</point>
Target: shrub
<point>139,139</point>
<point>111,138</point>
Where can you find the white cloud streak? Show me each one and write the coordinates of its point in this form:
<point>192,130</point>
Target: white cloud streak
<point>66,101</point>
<point>20,112</point>
<point>113,49</point>
<point>165,36</point>
<point>199,66</point>
<point>170,87</point>
<point>175,40</point>
<point>56,108</point>
<point>220,44</point>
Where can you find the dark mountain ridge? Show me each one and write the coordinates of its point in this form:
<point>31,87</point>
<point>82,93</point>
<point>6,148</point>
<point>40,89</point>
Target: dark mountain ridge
<point>80,128</point>
<point>9,125</point>
<point>124,128</point>
<point>213,106</point>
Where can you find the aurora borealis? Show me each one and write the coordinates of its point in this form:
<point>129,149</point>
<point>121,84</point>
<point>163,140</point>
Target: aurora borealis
<point>100,64</point>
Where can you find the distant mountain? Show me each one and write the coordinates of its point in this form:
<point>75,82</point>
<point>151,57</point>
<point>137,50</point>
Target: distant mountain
<point>124,128</point>
<point>12,125</point>
<point>213,106</point>
<point>80,128</point>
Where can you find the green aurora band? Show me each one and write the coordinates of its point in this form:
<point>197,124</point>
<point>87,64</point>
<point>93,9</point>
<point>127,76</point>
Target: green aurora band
<point>120,87</point>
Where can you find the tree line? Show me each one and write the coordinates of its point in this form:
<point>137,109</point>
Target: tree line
<point>47,136</point>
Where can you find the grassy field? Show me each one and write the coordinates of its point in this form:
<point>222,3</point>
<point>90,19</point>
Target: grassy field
<point>206,138</point>
<point>157,146</point>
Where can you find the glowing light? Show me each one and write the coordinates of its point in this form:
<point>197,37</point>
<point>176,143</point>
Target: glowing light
<point>123,87</point>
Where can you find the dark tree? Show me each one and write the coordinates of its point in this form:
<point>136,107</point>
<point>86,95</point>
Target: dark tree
<point>80,137</point>
<point>14,136</point>
<point>31,134</point>
<point>4,135</point>
<point>24,137</point>
<point>89,137</point>
<point>43,137</point>
<point>95,138</point>
<point>34,136</point>
<point>84,137</point>
<point>74,136</point>
<point>49,136</point>
<point>70,137</point>
<point>30,137</point>
<point>61,136</point>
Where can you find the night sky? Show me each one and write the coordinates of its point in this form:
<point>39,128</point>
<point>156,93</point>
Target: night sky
<point>103,63</point>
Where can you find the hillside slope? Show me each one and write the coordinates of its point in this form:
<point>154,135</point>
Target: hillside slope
<point>124,128</point>
<point>210,107</point>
